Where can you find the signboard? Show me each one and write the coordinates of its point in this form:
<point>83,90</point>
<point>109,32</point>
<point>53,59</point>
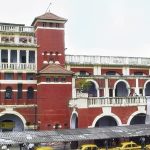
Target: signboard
<point>7,125</point>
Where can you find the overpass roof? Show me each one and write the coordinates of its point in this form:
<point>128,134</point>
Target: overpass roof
<point>68,135</point>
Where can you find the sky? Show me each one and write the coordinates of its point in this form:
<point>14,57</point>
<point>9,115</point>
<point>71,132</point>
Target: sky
<point>94,27</point>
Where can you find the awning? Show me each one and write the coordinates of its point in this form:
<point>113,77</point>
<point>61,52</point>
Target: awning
<point>68,135</point>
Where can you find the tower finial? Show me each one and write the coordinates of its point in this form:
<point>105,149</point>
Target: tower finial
<point>48,8</point>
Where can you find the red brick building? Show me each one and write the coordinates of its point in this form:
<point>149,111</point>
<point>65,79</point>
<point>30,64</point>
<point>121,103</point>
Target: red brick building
<point>43,88</point>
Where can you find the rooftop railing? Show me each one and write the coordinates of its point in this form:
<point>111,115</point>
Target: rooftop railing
<point>15,28</point>
<point>106,60</point>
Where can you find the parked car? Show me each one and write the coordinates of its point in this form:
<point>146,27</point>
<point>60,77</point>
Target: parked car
<point>89,147</point>
<point>43,148</point>
<point>125,146</point>
<point>147,147</point>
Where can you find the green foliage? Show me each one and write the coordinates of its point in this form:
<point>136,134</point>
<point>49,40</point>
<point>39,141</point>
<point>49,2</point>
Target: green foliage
<point>84,85</point>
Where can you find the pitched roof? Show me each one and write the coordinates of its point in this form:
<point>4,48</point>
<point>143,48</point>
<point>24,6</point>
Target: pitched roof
<point>49,16</point>
<point>55,69</point>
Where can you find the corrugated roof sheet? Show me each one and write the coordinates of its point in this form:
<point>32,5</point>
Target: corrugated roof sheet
<point>67,135</point>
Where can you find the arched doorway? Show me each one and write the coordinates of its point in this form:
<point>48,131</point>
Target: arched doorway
<point>106,121</point>
<point>90,88</point>
<point>147,89</point>
<point>10,122</point>
<point>138,119</point>
<point>121,89</point>
<point>74,121</point>
<point>73,125</point>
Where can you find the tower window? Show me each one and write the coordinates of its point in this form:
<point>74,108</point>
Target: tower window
<point>44,24</point>
<point>30,93</point>
<point>50,24</point>
<point>63,79</point>
<point>19,91</point>
<point>55,79</point>
<point>13,56</point>
<point>30,76</point>
<point>8,76</point>
<point>4,56</point>
<point>8,93</point>
<point>31,56</point>
<point>57,25</point>
<point>48,79</point>
<point>23,56</point>
<point>19,76</point>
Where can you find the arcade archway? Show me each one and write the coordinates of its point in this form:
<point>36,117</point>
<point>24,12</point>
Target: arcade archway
<point>121,89</point>
<point>11,122</point>
<point>138,119</point>
<point>90,88</point>
<point>106,121</point>
<point>147,89</point>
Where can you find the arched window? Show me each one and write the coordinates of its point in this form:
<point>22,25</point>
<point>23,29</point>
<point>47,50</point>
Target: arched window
<point>8,93</point>
<point>30,93</point>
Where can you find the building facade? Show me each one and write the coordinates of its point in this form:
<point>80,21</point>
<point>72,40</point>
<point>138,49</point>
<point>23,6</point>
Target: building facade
<point>42,88</point>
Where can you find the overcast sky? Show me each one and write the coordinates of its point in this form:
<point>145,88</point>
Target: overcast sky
<point>94,27</point>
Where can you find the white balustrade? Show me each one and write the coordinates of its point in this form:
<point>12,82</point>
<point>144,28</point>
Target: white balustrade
<point>16,28</point>
<point>20,66</point>
<point>109,60</point>
<point>107,101</point>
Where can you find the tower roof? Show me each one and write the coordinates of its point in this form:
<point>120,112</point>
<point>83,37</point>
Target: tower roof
<point>55,69</point>
<point>48,16</point>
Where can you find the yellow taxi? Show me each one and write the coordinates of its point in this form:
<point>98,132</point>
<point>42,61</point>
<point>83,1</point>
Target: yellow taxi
<point>125,146</point>
<point>43,148</point>
<point>147,147</point>
<point>89,147</point>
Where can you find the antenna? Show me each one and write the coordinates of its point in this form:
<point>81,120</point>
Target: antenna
<point>48,8</point>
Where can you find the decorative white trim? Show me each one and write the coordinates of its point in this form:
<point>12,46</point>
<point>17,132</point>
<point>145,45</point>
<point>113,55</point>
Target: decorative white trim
<point>25,90</point>
<point>49,28</point>
<point>54,83</point>
<point>18,81</point>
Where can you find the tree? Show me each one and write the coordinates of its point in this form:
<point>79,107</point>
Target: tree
<point>83,85</point>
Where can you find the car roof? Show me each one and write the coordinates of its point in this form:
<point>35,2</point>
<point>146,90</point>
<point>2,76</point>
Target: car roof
<point>85,145</point>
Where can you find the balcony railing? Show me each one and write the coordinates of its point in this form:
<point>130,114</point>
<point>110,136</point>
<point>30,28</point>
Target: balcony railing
<point>107,60</point>
<point>18,66</point>
<point>108,101</point>
<point>16,28</point>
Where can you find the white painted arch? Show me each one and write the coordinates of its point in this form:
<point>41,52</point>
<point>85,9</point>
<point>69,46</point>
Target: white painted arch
<point>117,119</point>
<point>145,86</point>
<point>120,80</point>
<point>134,114</point>
<point>96,85</point>
<point>14,113</point>
<point>72,121</point>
